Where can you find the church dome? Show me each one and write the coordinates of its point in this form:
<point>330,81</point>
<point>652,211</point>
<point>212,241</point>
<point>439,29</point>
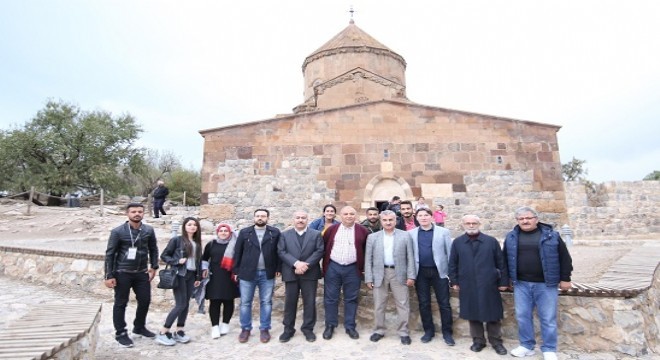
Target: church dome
<point>351,67</point>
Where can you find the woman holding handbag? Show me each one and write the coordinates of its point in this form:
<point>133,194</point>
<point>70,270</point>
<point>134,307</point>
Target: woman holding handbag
<point>221,289</point>
<point>185,253</point>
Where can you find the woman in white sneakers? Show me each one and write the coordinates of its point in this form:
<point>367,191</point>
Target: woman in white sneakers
<point>221,290</point>
<point>185,253</point>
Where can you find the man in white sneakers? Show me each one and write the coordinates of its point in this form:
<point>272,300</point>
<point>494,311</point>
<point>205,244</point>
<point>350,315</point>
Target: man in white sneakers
<point>538,263</point>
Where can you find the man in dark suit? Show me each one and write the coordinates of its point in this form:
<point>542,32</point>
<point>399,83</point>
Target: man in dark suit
<point>256,264</point>
<point>300,250</point>
<point>343,266</point>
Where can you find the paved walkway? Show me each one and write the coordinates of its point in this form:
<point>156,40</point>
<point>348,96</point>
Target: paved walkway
<point>17,298</point>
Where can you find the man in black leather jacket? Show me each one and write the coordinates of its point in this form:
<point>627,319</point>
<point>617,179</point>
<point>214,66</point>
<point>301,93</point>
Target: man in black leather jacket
<point>131,260</point>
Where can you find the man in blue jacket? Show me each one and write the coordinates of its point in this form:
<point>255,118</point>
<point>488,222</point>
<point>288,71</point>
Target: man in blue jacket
<point>538,264</point>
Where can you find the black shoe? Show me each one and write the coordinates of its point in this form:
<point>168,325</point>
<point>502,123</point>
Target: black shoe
<point>144,332</point>
<point>500,349</point>
<point>449,340</point>
<point>405,340</point>
<point>327,334</point>
<point>427,337</point>
<point>124,340</point>
<point>286,336</point>
<point>376,336</point>
<point>309,336</point>
<point>476,347</point>
<point>353,334</point>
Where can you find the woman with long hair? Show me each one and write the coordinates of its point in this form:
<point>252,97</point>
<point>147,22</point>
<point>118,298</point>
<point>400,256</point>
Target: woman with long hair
<point>327,219</point>
<point>185,253</point>
<point>221,290</point>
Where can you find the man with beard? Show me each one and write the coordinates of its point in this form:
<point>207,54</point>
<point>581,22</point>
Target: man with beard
<point>343,266</point>
<point>300,250</point>
<point>432,245</point>
<point>477,272</point>
<point>131,247</point>
<point>372,222</point>
<point>406,221</point>
<point>256,263</point>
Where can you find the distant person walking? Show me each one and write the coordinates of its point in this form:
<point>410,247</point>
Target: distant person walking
<point>160,193</point>
<point>184,252</point>
<point>131,248</point>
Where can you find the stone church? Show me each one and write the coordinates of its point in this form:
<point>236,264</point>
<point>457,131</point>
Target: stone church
<point>357,139</point>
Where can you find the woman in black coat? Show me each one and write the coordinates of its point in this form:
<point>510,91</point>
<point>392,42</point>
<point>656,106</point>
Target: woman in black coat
<point>221,289</point>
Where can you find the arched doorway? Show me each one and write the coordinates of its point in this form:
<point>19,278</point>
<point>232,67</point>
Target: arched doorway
<point>381,189</point>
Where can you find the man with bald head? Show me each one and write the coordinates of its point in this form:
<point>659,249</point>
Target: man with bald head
<point>301,250</point>
<point>343,266</point>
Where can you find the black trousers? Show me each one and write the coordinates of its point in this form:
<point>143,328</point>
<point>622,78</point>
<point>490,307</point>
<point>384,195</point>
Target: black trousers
<point>182,294</point>
<point>214,311</point>
<point>139,282</point>
<point>494,332</point>
<point>306,288</point>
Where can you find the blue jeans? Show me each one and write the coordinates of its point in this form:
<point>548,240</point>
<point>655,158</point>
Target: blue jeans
<point>265,300</point>
<point>428,278</point>
<point>530,295</point>
<point>336,278</point>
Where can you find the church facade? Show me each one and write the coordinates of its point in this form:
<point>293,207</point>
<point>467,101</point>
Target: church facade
<point>356,139</point>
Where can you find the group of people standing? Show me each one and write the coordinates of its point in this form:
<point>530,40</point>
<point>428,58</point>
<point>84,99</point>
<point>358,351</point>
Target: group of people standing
<point>389,253</point>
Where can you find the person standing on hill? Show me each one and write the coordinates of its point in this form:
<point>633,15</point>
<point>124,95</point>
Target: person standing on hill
<point>160,193</point>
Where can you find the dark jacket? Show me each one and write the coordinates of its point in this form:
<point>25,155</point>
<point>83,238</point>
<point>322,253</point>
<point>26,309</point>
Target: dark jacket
<point>478,269</point>
<point>361,234</point>
<point>161,192</point>
<point>401,225</point>
<point>555,260</point>
<point>119,243</point>
<point>247,251</point>
<point>175,250</point>
<point>311,252</point>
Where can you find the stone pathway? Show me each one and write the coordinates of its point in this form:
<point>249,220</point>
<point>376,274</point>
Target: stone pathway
<point>17,298</point>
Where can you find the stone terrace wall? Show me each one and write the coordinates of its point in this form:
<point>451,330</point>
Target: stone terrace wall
<point>616,210</point>
<point>628,326</point>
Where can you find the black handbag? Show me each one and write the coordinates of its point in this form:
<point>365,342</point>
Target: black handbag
<point>169,278</point>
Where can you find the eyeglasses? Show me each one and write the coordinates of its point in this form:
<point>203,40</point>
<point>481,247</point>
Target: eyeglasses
<point>528,218</point>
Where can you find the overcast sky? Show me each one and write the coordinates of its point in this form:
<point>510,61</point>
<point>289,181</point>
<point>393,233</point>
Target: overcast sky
<point>592,67</point>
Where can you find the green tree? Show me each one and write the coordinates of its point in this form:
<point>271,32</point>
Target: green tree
<point>574,170</point>
<point>64,149</point>
<point>655,175</point>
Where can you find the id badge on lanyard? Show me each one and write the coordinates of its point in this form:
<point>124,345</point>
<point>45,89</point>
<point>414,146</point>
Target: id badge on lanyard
<point>132,251</point>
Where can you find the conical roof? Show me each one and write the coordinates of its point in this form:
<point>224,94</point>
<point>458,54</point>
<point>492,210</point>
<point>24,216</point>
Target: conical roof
<point>351,37</point>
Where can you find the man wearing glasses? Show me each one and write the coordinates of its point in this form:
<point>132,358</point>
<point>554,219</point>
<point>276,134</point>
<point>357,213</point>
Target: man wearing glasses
<point>538,263</point>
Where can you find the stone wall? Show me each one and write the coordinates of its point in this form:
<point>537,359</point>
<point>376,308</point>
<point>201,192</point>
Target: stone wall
<point>354,145</point>
<point>614,209</point>
<point>619,325</point>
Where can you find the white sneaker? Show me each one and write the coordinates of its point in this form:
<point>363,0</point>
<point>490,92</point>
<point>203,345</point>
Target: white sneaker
<point>549,355</point>
<point>224,329</point>
<point>522,351</point>
<point>215,332</point>
<point>165,339</point>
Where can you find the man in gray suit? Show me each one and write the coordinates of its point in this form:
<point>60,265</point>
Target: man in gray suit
<point>300,250</point>
<point>390,262</point>
<point>432,245</point>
